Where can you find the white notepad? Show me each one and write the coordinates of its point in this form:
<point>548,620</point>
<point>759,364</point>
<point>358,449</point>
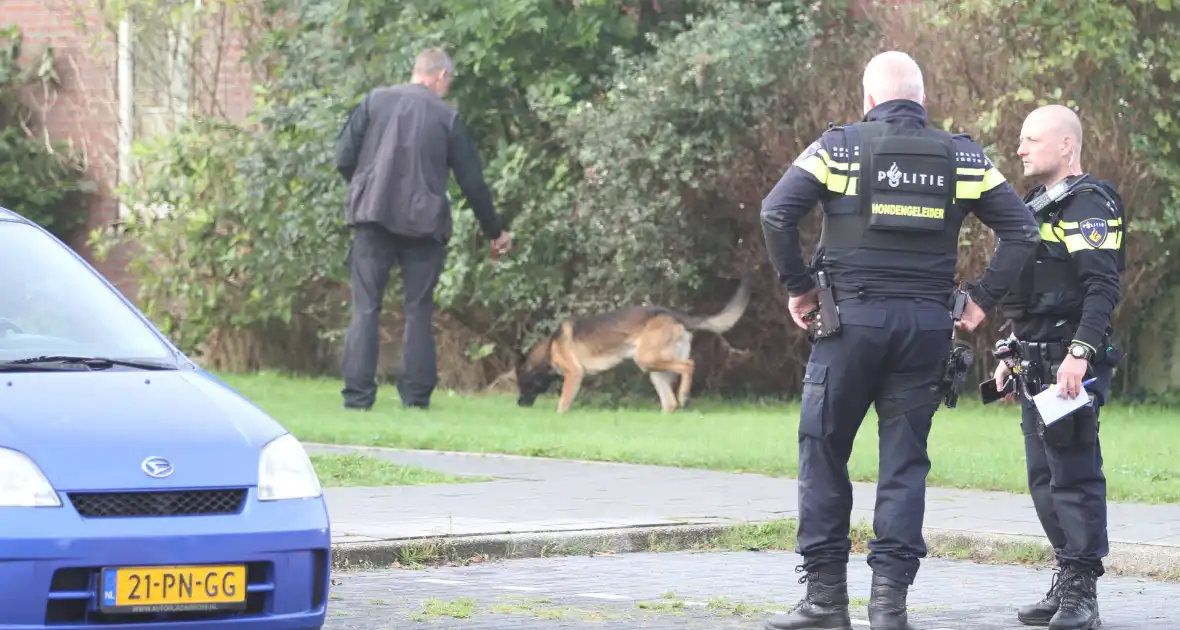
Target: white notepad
<point>1053,407</point>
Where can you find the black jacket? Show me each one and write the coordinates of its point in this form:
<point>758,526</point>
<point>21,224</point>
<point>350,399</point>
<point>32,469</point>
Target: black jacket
<point>396,151</point>
<point>1086,236</point>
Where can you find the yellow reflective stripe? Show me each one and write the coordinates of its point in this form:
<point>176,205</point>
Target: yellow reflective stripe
<point>829,162</point>
<point>968,189</point>
<point>834,165</point>
<point>835,181</point>
<point>1077,242</point>
<point>832,174</point>
<point>838,177</point>
<point>1074,241</point>
<point>840,183</point>
<point>992,177</point>
<point>972,182</point>
<point>814,165</point>
<point>1051,234</point>
<point>1075,225</point>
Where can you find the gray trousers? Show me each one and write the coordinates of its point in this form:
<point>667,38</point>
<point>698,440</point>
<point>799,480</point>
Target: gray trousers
<point>371,257</point>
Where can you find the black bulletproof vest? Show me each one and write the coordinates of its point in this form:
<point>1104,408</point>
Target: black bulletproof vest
<point>1048,284</point>
<point>905,193</point>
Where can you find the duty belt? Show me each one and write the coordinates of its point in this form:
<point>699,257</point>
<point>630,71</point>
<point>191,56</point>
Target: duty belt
<point>1049,351</point>
<point>841,294</point>
<point>848,293</point>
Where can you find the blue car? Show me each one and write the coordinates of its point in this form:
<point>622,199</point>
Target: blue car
<point>137,490</point>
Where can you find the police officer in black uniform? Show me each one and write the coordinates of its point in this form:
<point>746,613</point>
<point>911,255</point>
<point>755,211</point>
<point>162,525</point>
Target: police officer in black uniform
<point>1061,311</point>
<point>894,193</point>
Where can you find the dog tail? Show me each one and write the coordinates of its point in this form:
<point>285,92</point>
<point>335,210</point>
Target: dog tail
<point>724,320</point>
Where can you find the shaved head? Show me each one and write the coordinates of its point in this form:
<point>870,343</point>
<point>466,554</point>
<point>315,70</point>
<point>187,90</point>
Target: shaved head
<point>1051,144</point>
<point>1060,120</point>
<point>890,76</point>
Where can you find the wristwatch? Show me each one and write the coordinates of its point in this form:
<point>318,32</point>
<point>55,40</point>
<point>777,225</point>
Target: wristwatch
<point>1080,351</point>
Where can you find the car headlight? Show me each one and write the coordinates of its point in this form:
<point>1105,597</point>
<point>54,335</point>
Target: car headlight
<point>285,471</point>
<point>22,484</point>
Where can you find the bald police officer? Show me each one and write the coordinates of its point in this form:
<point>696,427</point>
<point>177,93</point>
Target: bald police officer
<point>894,192</point>
<point>1061,311</point>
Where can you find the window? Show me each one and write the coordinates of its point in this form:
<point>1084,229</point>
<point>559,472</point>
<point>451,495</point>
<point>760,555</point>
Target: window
<point>156,82</point>
<point>162,74</point>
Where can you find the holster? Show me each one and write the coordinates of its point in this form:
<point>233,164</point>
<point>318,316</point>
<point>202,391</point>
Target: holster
<point>826,319</point>
<point>1079,428</point>
<point>1108,355</point>
<point>955,370</point>
<point>958,362</point>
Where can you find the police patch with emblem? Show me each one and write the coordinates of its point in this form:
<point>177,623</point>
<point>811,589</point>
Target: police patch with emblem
<point>1094,231</point>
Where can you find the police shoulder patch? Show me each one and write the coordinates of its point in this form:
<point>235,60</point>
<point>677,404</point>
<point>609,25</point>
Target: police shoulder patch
<point>1094,231</point>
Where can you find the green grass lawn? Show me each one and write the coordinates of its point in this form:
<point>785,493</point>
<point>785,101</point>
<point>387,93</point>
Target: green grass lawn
<point>971,446</point>
<point>336,470</point>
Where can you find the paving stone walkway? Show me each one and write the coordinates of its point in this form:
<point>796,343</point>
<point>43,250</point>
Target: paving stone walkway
<point>663,591</point>
<point>547,495</point>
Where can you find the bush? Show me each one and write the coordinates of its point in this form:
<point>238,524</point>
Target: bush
<point>629,160</point>
<point>252,245</point>
<point>987,65</point>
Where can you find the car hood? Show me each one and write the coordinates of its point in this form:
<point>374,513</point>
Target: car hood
<point>93,430</point>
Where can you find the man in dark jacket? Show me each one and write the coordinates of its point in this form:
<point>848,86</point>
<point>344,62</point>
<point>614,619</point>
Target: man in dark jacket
<point>396,152</point>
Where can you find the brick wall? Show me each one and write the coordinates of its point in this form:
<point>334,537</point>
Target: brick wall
<point>84,110</point>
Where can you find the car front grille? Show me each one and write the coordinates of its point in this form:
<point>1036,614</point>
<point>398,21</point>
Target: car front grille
<point>159,503</point>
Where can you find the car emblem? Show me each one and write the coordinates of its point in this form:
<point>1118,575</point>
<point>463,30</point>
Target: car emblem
<point>157,467</point>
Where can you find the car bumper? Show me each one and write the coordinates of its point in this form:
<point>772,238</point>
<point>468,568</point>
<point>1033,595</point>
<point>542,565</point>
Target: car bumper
<point>51,559</point>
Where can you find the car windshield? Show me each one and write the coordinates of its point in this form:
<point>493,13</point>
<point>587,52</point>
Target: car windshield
<point>52,304</point>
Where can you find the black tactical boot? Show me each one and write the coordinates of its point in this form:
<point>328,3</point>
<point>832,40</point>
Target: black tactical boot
<point>824,607</point>
<point>1040,613</point>
<point>887,607</point>
<point>1079,603</point>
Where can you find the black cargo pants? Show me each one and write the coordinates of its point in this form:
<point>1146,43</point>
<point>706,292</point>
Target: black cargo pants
<point>371,257</point>
<point>891,352</point>
<point>1065,478</point>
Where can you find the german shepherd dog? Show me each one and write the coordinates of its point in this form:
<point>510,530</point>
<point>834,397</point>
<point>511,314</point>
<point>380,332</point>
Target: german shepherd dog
<point>657,339</point>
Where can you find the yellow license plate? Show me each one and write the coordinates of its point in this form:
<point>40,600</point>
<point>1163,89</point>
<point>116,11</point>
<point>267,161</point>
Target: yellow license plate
<point>165,589</point>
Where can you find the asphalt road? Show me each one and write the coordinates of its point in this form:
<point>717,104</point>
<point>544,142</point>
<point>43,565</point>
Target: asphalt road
<point>700,590</point>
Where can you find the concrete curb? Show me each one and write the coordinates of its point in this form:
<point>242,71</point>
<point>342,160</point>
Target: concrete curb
<point>1159,562</point>
<point>444,549</point>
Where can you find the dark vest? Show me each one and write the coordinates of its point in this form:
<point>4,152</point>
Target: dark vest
<point>1048,285</point>
<point>402,170</point>
<point>904,198</point>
